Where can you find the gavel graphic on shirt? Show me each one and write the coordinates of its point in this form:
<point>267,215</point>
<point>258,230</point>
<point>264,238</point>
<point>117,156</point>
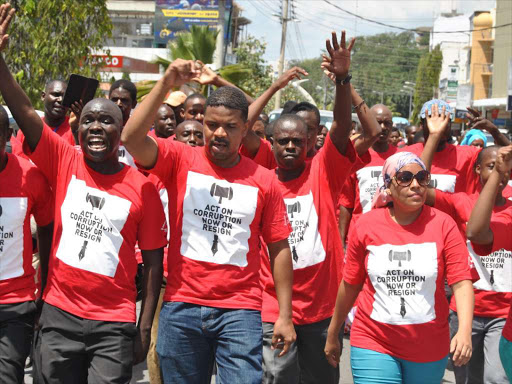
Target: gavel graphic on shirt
<point>293,208</point>
<point>400,256</point>
<point>221,192</point>
<point>96,201</point>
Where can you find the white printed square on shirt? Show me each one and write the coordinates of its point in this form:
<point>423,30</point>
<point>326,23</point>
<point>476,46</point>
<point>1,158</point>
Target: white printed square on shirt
<point>92,221</point>
<point>445,183</point>
<point>13,211</point>
<point>305,241</point>
<point>370,179</point>
<point>217,216</point>
<point>495,270</point>
<point>404,278</point>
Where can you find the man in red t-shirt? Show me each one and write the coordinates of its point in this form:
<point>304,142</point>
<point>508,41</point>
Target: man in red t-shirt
<point>220,203</point>
<point>165,122</point>
<point>190,132</point>
<point>102,209</point>
<point>24,193</point>
<point>360,187</point>
<point>310,190</point>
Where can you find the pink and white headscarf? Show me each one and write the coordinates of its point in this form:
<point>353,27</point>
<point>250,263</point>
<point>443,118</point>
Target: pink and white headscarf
<point>391,166</point>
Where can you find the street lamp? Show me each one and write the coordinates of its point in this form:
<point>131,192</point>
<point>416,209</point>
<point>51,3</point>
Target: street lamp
<point>410,91</point>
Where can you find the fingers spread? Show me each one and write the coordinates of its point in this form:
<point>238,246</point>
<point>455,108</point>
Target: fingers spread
<point>335,41</point>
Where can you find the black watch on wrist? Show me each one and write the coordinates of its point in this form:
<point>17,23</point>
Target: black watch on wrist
<point>344,81</point>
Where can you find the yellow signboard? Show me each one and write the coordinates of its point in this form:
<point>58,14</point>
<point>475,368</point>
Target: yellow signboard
<point>191,13</point>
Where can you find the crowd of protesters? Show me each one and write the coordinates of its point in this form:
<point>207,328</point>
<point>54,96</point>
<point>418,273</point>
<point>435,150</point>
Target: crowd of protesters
<point>253,246</point>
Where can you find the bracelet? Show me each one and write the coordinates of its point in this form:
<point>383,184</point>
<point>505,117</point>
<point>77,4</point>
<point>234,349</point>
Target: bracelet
<point>358,106</point>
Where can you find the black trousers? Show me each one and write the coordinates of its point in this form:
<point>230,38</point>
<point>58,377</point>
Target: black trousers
<point>16,329</point>
<point>77,350</point>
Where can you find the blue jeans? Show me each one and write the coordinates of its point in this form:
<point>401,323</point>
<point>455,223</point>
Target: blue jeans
<point>189,335</point>
<point>374,367</point>
<point>506,356</point>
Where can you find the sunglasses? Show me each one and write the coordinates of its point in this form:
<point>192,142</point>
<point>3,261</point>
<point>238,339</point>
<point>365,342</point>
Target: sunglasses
<point>404,178</point>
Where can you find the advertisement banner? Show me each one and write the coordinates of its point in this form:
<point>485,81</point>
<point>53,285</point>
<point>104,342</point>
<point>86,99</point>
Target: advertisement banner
<point>174,16</point>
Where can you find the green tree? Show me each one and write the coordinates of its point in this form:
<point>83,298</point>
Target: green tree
<point>427,79</point>
<point>51,39</point>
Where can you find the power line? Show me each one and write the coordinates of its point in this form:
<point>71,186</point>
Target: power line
<point>409,29</point>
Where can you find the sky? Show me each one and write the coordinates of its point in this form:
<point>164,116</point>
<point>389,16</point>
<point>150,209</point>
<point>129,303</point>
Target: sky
<point>316,18</point>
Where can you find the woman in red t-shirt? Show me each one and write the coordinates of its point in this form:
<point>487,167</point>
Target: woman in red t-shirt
<point>397,260</point>
<point>489,233</point>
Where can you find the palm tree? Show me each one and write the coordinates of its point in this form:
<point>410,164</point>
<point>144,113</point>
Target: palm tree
<point>197,44</point>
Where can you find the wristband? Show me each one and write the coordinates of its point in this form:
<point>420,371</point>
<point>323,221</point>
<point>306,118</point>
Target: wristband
<point>358,106</point>
<point>345,81</point>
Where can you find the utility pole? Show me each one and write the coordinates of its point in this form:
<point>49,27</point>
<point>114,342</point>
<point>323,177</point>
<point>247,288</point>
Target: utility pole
<point>219,46</point>
<point>284,21</point>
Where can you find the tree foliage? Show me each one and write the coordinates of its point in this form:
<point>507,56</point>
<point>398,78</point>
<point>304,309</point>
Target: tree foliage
<point>51,39</point>
<point>427,79</point>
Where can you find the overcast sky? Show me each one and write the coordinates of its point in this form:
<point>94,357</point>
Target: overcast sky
<point>316,19</point>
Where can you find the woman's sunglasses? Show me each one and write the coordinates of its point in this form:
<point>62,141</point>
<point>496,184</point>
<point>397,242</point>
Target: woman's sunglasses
<point>404,178</point>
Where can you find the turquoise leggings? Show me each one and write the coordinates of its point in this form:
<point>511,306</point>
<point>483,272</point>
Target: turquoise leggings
<point>375,367</point>
<point>506,356</point>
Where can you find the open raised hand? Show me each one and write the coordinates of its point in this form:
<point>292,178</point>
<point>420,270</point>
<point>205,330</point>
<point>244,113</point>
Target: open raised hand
<point>339,61</point>
<point>289,75</point>
<point>6,16</point>
<point>437,123</point>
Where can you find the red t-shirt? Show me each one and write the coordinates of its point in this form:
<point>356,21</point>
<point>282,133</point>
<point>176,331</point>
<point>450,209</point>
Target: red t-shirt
<point>98,220</point>
<point>402,310</point>
<point>361,186</point>
<point>69,138</point>
<point>264,156</point>
<point>61,130</point>
<point>16,147</point>
<point>164,198</point>
<point>501,226</point>
<point>316,248</point>
<point>216,216</point>
<point>24,192</point>
<point>493,291</point>
<point>452,168</point>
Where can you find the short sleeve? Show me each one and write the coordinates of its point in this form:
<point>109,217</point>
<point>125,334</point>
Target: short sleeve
<point>275,225</point>
<point>468,181</point>
<point>445,202</point>
<point>348,194</point>
<point>169,152</point>
<point>335,166</point>
<point>501,226</point>
<point>264,156</point>
<point>458,263</point>
<point>50,152</point>
<point>152,233</point>
<point>354,271</point>
<point>43,207</point>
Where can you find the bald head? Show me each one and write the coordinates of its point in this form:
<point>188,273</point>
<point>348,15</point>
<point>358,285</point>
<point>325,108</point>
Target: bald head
<point>385,119</point>
<point>105,106</point>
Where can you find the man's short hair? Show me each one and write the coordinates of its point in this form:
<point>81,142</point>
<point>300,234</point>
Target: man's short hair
<point>292,118</point>
<point>288,106</point>
<point>480,156</point>
<point>231,98</point>
<point>125,84</point>
<point>193,96</point>
<point>4,120</point>
<point>308,107</point>
<point>53,81</point>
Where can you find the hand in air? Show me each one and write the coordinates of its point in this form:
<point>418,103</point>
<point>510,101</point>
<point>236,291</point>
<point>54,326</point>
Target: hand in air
<point>338,61</point>
<point>479,122</point>
<point>504,160</point>
<point>289,75</point>
<point>182,71</point>
<point>74,116</point>
<point>207,75</point>
<point>6,16</point>
<point>437,123</point>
